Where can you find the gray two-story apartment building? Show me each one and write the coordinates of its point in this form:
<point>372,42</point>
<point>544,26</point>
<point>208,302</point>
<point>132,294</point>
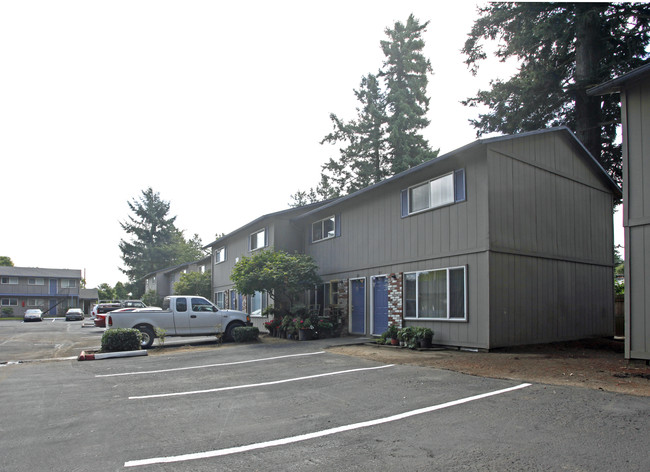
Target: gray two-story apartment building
<point>51,290</point>
<point>162,281</point>
<point>275,230</point>
<point>505,241</point>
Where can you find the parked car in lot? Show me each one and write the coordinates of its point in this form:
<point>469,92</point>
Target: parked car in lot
<point>101,310</point>
<point>74,314</point>
<point>33,314</point>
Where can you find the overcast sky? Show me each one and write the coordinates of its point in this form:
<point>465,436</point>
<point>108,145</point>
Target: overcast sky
<point>218,106</point>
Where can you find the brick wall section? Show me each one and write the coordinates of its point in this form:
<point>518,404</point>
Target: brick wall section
<point>343,302</point>
<point>395,297</point>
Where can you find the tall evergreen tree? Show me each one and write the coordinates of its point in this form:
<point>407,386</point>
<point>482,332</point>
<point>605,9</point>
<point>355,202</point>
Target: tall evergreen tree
<point>385,138</point>
<point>364,160</point>
<point>155,241</point>
<point>405,73</point>
<point>563,49</point>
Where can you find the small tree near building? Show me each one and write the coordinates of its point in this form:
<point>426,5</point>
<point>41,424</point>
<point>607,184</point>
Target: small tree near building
<point>285,277</point>
<point>194,283</point>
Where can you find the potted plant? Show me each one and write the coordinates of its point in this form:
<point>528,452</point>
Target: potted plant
<point>424,336</point>
<point>392,333</point>
<point>304,327</point>
<point>408,337</point>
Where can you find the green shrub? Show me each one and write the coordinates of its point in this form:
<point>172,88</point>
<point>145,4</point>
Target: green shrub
<point>121,339</point>
<point>245,333</point>
<point>619,287</point>
<point>7,311</point>
<point>408,336</point>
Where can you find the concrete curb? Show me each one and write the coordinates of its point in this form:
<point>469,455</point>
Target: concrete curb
<point>91,356</point>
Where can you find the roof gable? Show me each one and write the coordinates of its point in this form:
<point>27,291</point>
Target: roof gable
<point>593,164</point>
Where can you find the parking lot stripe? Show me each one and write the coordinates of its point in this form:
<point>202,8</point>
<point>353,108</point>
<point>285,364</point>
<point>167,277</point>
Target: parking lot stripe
<point>210,365</point>
<point>317,434</point>
<point>262,384</point>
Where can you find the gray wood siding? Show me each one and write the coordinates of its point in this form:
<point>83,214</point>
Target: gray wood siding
<point>637,144</point>
<point>637,291</point>
<point>551,243</point>
<point>535,300</point>
<point>636,217</point>
<point>236,246</point>
<point>373,233</point>
<point>535,210</point>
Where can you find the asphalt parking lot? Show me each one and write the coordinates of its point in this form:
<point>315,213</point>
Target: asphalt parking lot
<point>294,406</point>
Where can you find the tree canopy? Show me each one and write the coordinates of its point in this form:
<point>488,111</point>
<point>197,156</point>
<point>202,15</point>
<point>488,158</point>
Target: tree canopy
<point>563,50</point>
<point>282,275</point>
<point>385,137</point>
<point>194,283</point>
<point>6,261</point>
<point>155,242</point>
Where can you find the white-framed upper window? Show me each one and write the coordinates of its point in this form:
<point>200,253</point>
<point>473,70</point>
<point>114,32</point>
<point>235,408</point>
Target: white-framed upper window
<point>257,240</point>
<point>436,294</point>
<point>36,281</point>
<point>323,229</point>
<point>220,255</point>
<point>434,193</point>
<point>68,283</point>
<point>9,280</point>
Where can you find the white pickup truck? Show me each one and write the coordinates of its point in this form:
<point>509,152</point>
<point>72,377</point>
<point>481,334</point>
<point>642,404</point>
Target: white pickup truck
<point>180,316</point>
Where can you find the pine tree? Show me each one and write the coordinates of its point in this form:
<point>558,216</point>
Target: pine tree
<point>405,73</point>
<point>155,242</point>
<point>563,49</point>
<point>385,137</point>
<point>364,160</point>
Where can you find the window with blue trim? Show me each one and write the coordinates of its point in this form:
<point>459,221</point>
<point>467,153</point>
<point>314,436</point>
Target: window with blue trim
<point>434,193</point>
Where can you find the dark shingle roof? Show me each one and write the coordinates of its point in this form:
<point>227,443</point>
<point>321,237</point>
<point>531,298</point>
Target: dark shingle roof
<point>40,272</point>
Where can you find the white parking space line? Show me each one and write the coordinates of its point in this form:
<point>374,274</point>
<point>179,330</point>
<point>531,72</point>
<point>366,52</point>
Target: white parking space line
<point>262,384</point>
<point>317,434</point>
<point>210,365</point>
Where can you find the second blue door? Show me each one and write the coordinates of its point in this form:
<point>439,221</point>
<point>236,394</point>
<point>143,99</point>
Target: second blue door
<point>379,304</point>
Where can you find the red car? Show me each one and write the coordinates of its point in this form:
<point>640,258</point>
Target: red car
<point>101,310</point>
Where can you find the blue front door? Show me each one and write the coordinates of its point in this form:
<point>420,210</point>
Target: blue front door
<point>54,283</point>
<point>358,308</point>
<point>379,304</point>
<point>52,310</point>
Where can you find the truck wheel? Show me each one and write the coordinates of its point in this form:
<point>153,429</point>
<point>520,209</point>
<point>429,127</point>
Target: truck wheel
<point>147,336</point>
<point>231,327</point>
